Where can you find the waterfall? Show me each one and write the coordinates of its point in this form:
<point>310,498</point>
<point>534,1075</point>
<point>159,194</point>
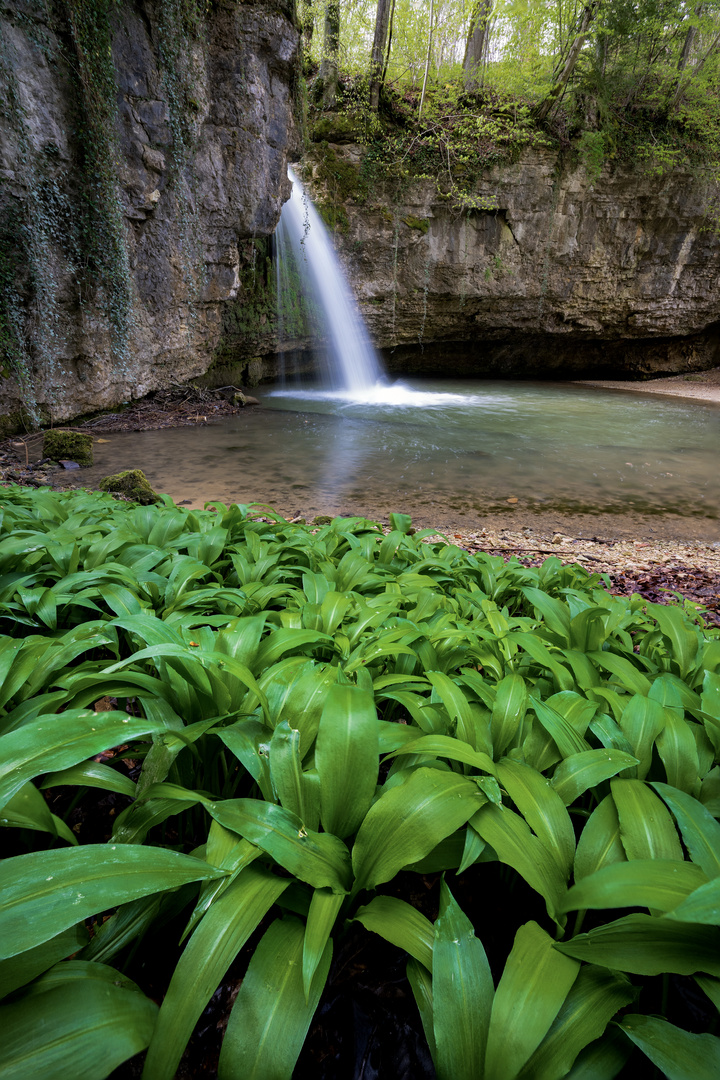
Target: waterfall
<point>302,240</point>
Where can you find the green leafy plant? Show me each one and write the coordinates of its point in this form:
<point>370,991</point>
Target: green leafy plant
<point>300,721</point>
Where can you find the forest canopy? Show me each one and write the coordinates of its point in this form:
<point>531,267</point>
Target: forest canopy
<point>620,75</point>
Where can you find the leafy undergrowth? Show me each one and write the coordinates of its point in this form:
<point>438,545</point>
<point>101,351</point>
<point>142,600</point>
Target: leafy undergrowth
<point>503,774</point>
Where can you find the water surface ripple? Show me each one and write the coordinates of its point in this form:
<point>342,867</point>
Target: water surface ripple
<point>446,452</point>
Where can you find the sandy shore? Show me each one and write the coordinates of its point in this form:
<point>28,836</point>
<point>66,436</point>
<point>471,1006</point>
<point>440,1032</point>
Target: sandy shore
<point>703,384</point>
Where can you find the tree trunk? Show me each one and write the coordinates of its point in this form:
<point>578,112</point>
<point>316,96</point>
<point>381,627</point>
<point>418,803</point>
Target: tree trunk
<point>382,20</point>
<point>308,24</point>
<point>587,17</point>
<point>683,83</point>
<point>331,42</point>
<point>389,45</point>
<point>476,44</point>
<point>427,59</point>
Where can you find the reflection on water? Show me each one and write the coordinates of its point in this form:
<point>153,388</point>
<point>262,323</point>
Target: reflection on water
<point>444,450</point>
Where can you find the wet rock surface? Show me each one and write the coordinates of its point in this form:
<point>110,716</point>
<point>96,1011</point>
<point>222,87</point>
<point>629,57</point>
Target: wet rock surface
<point>191,200</point>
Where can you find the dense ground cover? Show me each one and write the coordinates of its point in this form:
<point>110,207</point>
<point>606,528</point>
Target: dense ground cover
<point>293,725</point>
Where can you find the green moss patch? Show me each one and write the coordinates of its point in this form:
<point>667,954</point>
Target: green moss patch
<point>132,484</point>
<point>61,445</point>
<point>421,224</point>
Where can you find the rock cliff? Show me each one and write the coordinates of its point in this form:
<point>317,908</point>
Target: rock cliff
<point>561,274</point>
<point>143,152</point>
<point>143,149</point>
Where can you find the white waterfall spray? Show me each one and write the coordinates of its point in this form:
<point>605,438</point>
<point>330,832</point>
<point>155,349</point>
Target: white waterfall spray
<point>354,368</point>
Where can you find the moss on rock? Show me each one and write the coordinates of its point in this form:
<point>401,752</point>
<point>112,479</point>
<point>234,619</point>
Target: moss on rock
<point>421,224</point>
<point>132,484</point>
<point>61,445</point>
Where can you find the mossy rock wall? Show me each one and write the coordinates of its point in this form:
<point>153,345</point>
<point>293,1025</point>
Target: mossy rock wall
<point>142,145</point>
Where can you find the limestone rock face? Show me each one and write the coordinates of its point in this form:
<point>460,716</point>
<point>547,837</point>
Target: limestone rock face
<point>560,274</point>
<point>200,167</point>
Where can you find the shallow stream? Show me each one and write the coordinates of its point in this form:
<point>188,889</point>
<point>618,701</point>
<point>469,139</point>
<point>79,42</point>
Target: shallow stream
<point>451,453</point>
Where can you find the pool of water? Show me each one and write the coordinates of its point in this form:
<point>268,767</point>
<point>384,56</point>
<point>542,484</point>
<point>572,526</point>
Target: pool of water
<point>447,452</point>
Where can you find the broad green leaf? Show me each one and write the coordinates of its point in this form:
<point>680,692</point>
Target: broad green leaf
<point>279,642</point>
<point>602,1059</point>
<point>346,758</point>
<point>421,985</point>
<point>45,892</point>
<point>447,747</point>
<point>473,847</point>
<point>91,774</point>
<point>321,859</point>
<point>249,741</point>
<point>462,994</point>
<point>51,743</point>
<point>682,636</point>
<point>324,908</point>
<point>26,966</point>
<point>401,924</point>
<point>457,705</point>
<point>542,808</point>
<point>76,1032</point>
<point>588,629</point>
<point>624,670</point>
<point>678,751</point>
<point>711,987</point>
<point>534,983</point>
<point>554,612</point>
<point>508,712</point>
<point>293,788</point>
<point>680,1055</point>
<point>575,774</point>
<point>594,998</point>
<point>700,831</point>
<point>27,809</point>
<point>296,690</point>
<point>641,721</point>
<point>129,922</point>
<point>710,705</point>
<point>271,1015</point>
<point>645,945</point>
<point>564,735</point>
<point>647,830</point>
<point>228,852</point>
<point>516,846</point>
<point>599,844</point>
<point>401,523</point>
<point>408,821</point>
<point>208,954</point>
<point>542,655</point>
<point>652,883</point>
<point>703,906</point>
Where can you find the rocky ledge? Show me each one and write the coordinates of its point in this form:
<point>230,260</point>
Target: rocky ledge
<point>563,274</point>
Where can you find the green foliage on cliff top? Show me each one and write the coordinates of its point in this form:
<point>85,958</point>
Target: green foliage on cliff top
<point>642,88</point>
